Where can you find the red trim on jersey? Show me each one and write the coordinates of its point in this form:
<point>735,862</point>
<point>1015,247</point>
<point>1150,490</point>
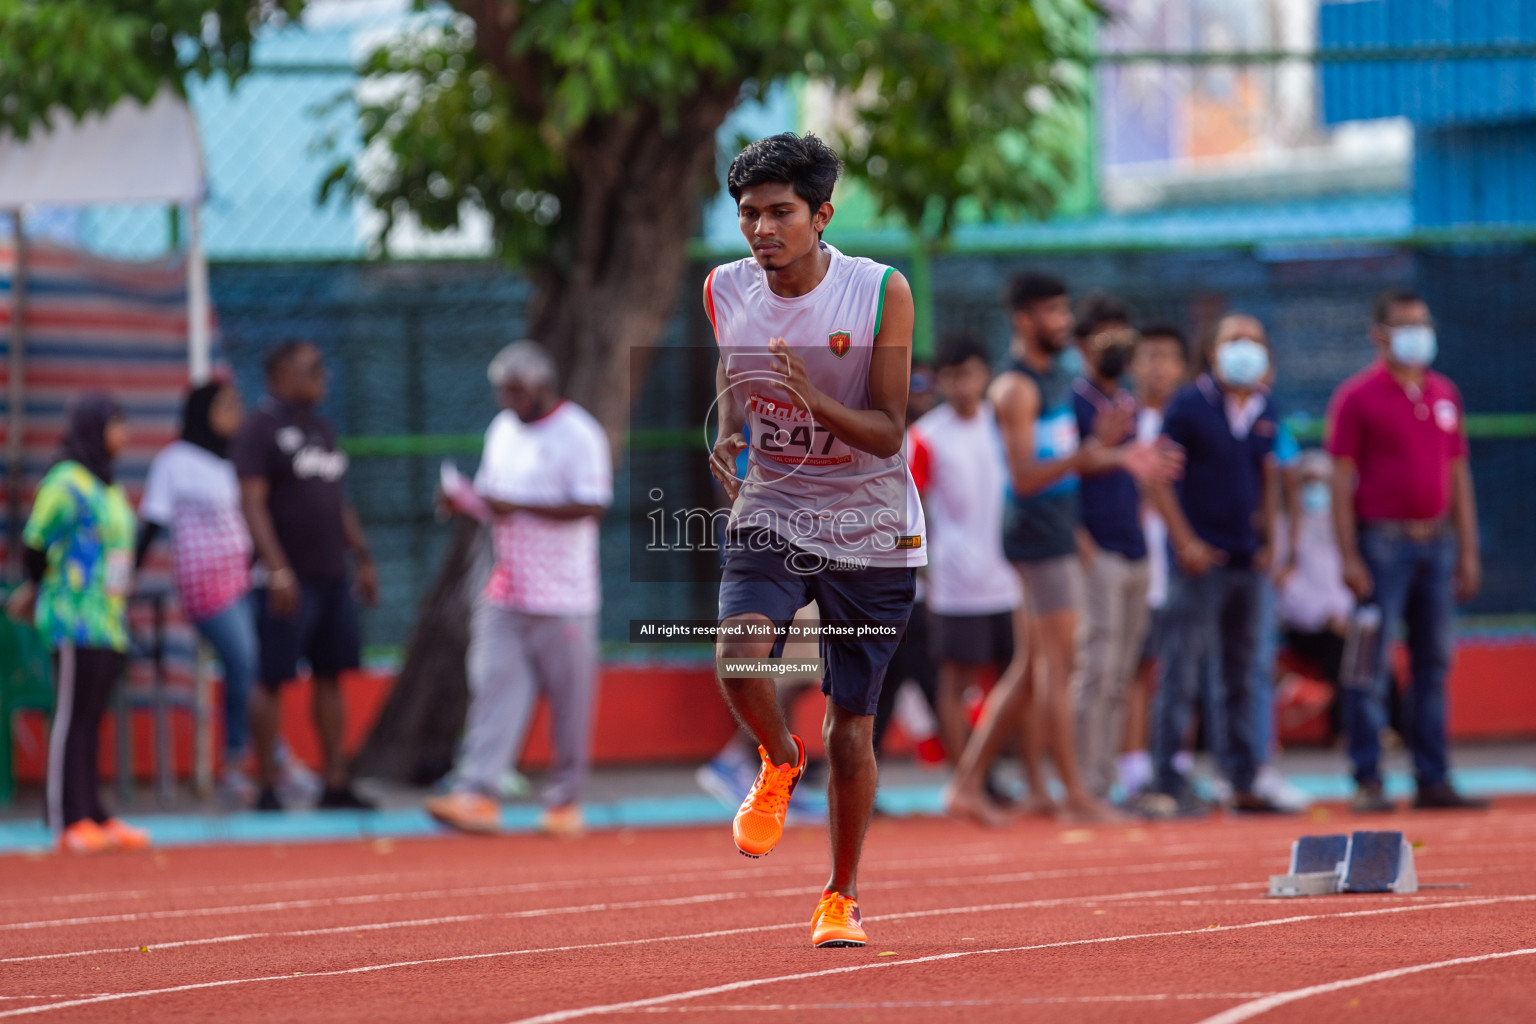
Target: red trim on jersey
<point>919,460</point>
<point>709,302</point>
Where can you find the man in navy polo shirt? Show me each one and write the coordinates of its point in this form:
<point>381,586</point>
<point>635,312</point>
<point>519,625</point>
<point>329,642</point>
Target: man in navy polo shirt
<point>1220,520</point>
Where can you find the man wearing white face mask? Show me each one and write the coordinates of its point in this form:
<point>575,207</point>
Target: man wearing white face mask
<point>1406,517</point>
<point>1220,521</point>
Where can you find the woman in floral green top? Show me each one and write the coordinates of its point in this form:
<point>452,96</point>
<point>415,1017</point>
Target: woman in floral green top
<point>79,556</point>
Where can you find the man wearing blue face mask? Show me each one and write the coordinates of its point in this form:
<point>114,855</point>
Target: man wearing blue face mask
<point>1220,520</point>
<point>1406,517</point>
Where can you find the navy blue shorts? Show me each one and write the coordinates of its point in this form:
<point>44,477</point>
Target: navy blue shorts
<point>758,577</point>
<point>325,633</point>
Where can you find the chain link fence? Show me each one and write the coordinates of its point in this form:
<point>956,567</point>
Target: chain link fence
<point>408,344</point>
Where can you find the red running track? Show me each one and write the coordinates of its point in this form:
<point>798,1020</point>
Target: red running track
<point>1159,923</point>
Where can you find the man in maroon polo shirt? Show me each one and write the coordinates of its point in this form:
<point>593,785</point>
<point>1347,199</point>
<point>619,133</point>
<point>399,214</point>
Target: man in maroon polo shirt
<point>1407,526</point>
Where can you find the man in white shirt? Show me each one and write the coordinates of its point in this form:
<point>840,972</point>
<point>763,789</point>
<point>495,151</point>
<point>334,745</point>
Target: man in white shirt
<point>546,475</point>
<point>957,461</point>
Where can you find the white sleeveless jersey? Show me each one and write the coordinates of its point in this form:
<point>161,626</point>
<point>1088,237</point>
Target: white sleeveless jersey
<point>802,483</point>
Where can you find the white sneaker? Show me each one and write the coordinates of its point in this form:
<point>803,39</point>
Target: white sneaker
<point>235,789</point>
<point>513,785</point>
<point>297,785</point>
<point>1134,770</point>
<point>1278,790</point>
<point>1219,790</point>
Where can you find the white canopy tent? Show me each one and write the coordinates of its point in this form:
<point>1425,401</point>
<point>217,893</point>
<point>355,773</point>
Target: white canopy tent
<point>133,153</point>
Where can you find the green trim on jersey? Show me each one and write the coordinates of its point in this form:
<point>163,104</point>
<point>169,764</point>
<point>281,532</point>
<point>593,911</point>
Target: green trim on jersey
<point>880,309</point>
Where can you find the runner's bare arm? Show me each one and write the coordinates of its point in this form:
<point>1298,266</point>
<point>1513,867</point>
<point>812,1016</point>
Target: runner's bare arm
<point>729,440</point>
<point>879,429</point>
<point>1268,515</point>
<point>1469,559</point>
<point>1017,401</point>
<point>566,511</point>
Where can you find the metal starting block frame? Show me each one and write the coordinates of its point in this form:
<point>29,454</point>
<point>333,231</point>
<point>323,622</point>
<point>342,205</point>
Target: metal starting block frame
<point>1361,862</point>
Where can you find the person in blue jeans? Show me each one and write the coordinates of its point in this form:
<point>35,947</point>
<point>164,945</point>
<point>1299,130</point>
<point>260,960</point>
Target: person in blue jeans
<point>1406,518</point>
<point>1220,520</point>
<point>191,490</point>
<point>1270,782</point>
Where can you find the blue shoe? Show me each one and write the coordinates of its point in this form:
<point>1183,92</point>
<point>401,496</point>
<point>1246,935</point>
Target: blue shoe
<point>727,780</point>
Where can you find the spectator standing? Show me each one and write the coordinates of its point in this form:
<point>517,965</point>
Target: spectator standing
<point>79,564</point>
<point>1159,366</point>
<point>1270,782</point>
<point>294,500</point>
<point>1406,519</point>
<point>957,462</point>
<point>193,491</point>
<point>913,661</point>
<point>1313,604</point>
<point>1114,552</point>
<point>546,475</point>
<point>1220,523</point>
<point>1033,402</point>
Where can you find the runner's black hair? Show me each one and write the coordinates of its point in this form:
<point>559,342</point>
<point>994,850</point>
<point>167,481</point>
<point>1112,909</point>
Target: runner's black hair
<point>1098,309</point>
<point>1031,286</point>
<point>803,162</point>
<point>279,354</point>
<point>957,349</point>
<point>1165,332</point>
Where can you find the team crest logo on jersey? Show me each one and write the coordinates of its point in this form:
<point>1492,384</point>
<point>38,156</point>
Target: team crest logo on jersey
<point>839,342</point>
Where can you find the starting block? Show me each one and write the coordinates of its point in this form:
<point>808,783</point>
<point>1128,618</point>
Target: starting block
<point>1362,862</point>
<point>1380,862</point>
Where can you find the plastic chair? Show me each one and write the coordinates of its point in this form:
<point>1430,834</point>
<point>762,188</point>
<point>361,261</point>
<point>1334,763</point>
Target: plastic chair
<point>161,700</point>
<point>26,684</point>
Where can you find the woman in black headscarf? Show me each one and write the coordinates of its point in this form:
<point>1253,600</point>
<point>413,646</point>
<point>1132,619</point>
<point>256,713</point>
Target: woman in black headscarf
<point>79,560</point>
<point>193,491</point>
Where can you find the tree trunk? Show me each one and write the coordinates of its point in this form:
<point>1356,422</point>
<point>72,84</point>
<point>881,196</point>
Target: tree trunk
<point>605,302</point>
<point>416,736</point>
<point>609,298</point>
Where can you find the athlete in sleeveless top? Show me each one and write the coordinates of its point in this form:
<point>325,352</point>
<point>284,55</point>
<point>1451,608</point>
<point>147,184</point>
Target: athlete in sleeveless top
<point>1033,398</point>
<point>815,354</point>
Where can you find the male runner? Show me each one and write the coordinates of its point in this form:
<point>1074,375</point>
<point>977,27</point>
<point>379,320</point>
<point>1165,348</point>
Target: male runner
<point>815,355</point>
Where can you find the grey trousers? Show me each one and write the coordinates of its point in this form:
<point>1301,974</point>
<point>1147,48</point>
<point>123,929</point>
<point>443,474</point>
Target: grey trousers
<point>513,658</point>
<point>1115,616</point>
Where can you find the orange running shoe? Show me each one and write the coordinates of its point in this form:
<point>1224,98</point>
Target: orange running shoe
<point>467,812</point>
<point>84,836</point>
<point>836,922</point>
<point>124,836</point>
<point>563,822</point>
<point>759,824</point>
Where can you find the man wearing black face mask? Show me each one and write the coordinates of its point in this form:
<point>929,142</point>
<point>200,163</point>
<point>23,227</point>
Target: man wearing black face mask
<point>1114,553</point>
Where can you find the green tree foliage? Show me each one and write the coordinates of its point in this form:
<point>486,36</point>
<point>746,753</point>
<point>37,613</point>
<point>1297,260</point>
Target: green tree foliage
<point>586,131</point>
<point>82,56</point>
<point>496,105</point>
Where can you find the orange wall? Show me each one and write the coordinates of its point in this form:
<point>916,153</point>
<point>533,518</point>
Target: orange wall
<point>674,714</point>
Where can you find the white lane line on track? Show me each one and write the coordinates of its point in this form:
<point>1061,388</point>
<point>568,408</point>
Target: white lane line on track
<point>735,986</point>
<point>681,869</point>
<point>499,915</point>
<point>1079,852</point>
<point>992,855</point>
<point>1248,1011</point>
<point>503,890</point>
<point>140,894</point>
<point>939,1004</point>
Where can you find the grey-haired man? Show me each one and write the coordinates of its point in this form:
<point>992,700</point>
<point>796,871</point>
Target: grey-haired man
<point>546,475</point>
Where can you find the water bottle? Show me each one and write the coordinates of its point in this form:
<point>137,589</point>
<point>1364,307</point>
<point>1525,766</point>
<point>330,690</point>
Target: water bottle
<point>1363,650</point>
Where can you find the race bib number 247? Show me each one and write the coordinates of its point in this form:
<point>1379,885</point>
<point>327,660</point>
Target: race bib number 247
<point>786,433</point>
